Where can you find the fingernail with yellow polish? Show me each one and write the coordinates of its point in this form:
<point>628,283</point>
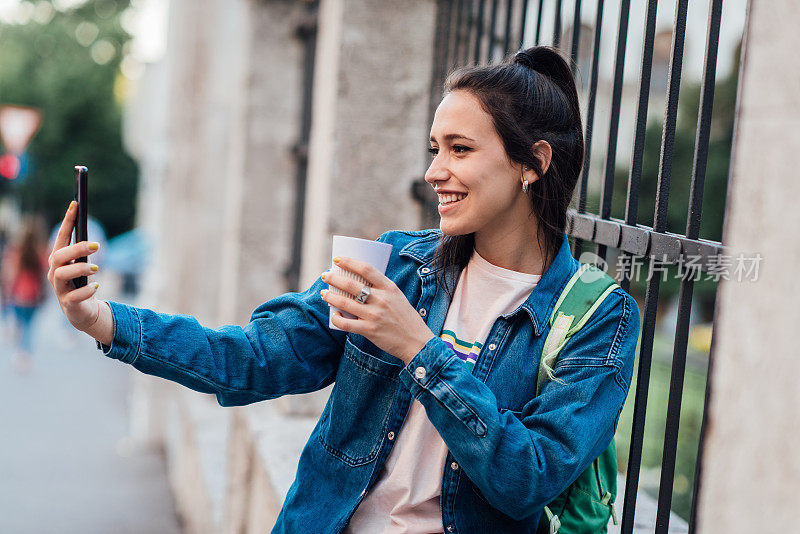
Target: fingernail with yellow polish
<point>71,205</point>
<point>337,259</point>
<point>93,267</point>
<point>94,245</point>
<point>324,275</point>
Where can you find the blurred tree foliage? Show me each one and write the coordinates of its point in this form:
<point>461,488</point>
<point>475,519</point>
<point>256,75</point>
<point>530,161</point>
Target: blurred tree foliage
<point>68,67</point>
<point>716,178</point>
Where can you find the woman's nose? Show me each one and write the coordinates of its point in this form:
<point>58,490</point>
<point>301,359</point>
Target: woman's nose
<point>436,172</point>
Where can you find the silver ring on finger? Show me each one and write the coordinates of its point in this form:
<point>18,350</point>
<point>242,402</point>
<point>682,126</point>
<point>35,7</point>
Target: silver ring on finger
<point>363,295</point>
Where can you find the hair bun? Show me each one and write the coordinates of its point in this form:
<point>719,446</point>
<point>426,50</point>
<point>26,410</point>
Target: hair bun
<point>524,58</point>
<point>550,64</point>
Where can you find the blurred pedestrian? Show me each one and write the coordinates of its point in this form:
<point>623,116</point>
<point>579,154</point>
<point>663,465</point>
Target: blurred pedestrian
<point>23,274</point>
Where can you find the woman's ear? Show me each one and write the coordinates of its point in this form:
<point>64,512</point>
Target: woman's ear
<point>543,151</point>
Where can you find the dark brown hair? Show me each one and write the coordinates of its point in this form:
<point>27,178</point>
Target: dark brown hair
<point>31,246</point>
<point>530,96</point>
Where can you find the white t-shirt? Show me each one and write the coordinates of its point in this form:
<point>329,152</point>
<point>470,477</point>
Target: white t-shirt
<point>405,497</point>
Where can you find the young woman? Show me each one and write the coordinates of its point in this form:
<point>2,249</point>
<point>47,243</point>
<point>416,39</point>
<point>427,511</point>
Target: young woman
<point>433,423</point>
<point>23,277</point>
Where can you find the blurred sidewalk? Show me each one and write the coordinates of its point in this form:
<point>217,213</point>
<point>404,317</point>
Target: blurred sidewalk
<point>66,464</point>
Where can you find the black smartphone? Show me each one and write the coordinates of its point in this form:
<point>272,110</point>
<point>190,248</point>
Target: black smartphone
<point>81,231</point>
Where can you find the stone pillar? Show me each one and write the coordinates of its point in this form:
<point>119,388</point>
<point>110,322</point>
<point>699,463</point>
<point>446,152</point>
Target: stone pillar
<point>261,170</point>
<point>233,94</point>
<point>187,235</point>
<point>370,122</point>
<point>751,468</point>
<point>369,128</point>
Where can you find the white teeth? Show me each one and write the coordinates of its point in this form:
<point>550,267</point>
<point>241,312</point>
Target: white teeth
<point>450,197</point>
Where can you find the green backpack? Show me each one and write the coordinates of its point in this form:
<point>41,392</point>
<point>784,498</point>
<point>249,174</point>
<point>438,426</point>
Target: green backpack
<point>588,503</point>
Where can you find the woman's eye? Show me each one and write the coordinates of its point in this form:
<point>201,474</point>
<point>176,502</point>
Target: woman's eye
<point>460,149</point>
<point>433,151</point>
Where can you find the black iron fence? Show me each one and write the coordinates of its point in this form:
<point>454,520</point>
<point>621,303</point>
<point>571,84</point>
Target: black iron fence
<point>477,31</point>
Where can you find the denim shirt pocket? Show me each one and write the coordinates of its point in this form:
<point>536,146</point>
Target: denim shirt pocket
<point>357,411</point>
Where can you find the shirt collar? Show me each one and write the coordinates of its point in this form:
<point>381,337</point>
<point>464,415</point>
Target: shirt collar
<point>539,304</point>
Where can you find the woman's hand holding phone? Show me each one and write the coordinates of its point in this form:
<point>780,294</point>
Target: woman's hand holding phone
<point>80,306</point>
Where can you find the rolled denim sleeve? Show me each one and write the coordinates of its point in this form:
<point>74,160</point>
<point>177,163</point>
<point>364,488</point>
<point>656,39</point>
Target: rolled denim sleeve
<point>286,348</point>
<point>521,462</point>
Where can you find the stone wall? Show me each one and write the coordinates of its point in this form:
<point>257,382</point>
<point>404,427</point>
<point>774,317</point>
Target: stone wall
<point>751,468</point>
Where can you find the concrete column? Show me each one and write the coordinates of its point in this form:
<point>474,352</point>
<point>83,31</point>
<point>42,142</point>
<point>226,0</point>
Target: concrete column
<point>234,91</point>
<point>369,129</point>
<point>261,171</point>
<point>751,466</point>
<point>202,50</point>
<point>370,122</point>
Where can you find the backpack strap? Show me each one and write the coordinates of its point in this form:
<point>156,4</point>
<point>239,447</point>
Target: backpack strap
<point>584,292</point>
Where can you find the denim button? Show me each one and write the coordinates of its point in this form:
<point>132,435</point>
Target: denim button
<point>425,270</point>
<point>422,312</point>
<point>390,435</point>
<point>492,346</point>
<point>454,466</point>
<point>419,372</point>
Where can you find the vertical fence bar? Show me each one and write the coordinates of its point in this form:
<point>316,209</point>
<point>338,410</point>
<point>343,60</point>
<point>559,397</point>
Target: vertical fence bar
<point>475,32</point>
<point>463,33</point>
<point>692,231</point>
<point>507,35</point>
<point>455,24</point>
<point>674,406</point>
<point>557,25</point>
<point>696,194</point>
<point>522,22</point>
<point>670,116</point>
<point>576,37</point>
<point>704,121</point>
<point>635,174</point>
<point>492,30</point>
<point>587,155</point>
<point>539,22</point>
<point>607,187</point>
<point>479,34</point>
<point>640,403</point>
<point>678,371</point>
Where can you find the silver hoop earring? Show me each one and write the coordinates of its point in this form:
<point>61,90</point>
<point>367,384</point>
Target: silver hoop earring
<point>525,186</point>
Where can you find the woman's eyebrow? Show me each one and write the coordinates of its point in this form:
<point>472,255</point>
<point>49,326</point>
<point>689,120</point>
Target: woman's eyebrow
<point>452,136</point>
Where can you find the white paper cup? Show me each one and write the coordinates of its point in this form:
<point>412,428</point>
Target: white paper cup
<point>372,252</point>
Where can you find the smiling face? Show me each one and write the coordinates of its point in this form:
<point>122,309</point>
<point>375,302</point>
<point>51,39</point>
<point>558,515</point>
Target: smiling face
<point>469,157</point>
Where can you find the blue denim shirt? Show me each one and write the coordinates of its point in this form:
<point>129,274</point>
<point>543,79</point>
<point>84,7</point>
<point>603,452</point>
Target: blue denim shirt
<point>510,451</point>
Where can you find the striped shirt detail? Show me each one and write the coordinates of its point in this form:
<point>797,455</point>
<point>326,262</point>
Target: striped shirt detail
<point>468,352</point>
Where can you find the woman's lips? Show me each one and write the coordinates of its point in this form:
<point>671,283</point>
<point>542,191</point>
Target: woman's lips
<point>444,208</point>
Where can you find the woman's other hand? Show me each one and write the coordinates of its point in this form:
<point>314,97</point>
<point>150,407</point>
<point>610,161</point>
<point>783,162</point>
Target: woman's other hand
<point>387,318</point>
<point>80,306</point>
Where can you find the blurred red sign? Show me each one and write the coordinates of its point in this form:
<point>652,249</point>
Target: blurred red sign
<point>18,125</point>
<point>9,166</point>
